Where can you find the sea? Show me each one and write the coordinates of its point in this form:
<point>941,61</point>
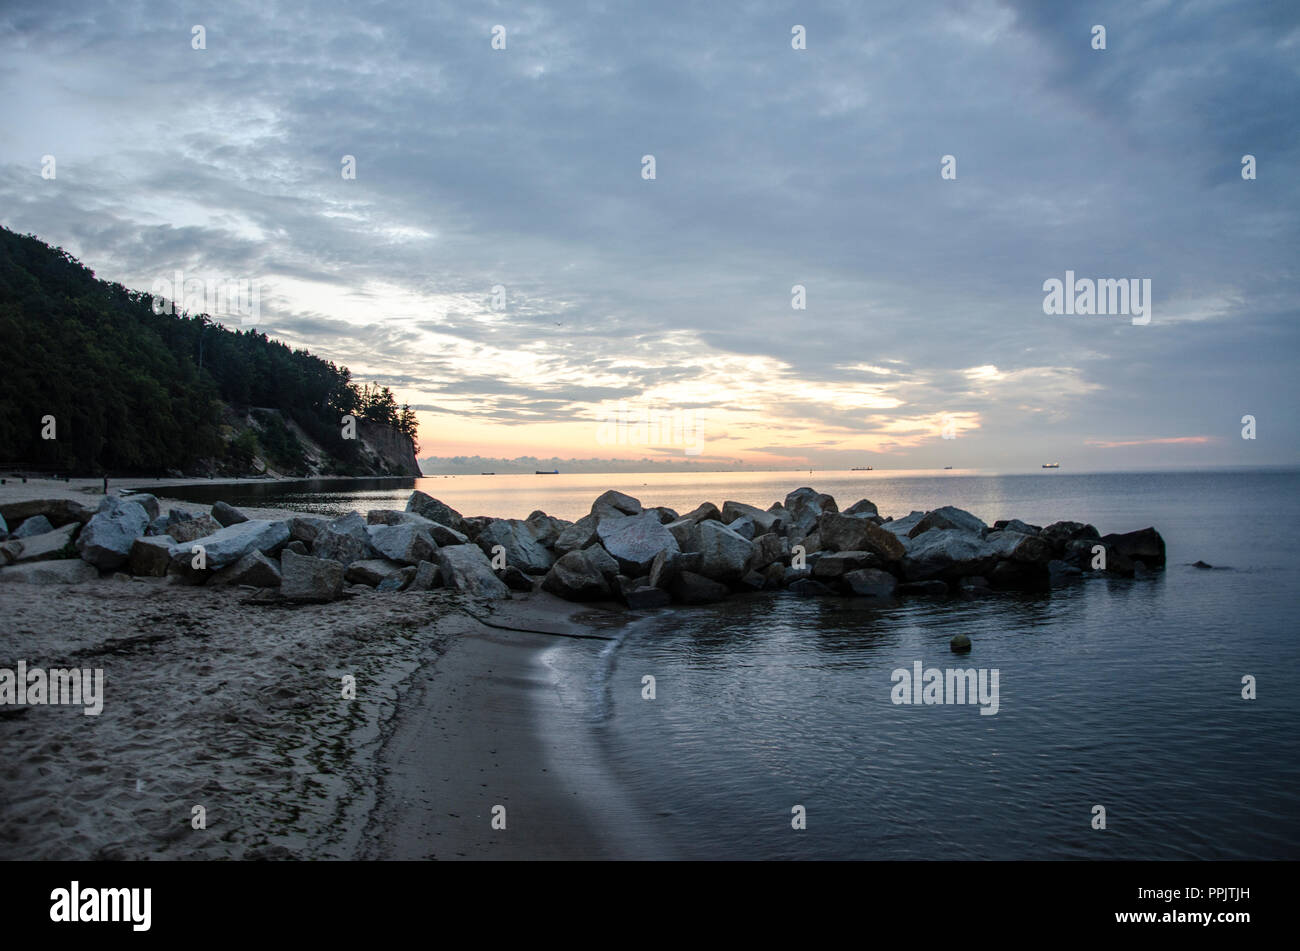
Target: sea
<point>1147,718</point>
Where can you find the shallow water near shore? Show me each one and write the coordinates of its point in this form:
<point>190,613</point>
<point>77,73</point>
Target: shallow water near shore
<point>1125,694</point>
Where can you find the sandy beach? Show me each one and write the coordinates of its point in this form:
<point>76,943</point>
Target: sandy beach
<point>217,700</point>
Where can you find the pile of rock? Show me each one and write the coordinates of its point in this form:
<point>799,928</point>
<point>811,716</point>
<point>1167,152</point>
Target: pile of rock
<point>619,551</point>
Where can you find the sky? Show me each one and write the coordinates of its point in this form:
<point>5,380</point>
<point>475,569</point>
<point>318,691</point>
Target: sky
<point>504,262</point>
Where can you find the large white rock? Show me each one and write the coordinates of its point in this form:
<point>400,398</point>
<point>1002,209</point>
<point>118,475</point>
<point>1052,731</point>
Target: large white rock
<point>106,540</point>
<point>408,543</point>
<point>520,541</point>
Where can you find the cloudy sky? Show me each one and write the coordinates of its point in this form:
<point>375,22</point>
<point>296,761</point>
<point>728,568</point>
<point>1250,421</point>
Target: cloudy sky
<point>670,299</point>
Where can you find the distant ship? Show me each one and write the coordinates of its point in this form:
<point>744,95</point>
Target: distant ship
<point>947,467</point>
<point>1051,465</point>
<point>861,469</point>
<point>487,473</point>
<point>547,472</point>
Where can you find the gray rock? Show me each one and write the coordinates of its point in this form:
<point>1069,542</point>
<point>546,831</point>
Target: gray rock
<point>862,507</point>
<point>227,514</point>
<point>227,545</point>
<point>763,522</point>
<point>768,549</point>
<point>805,506</point>
<point>344,540</point>
<point>1144,545</point>
<point>253,569</point>
<point>305,528</point>
<point>63,571</point>
<point>442,535</point>
<point>704,512</point>
<point>1015,525</point>
<point>1027,549</point>
<point>686,532</point>
<point>857,533</point>
<point>615,503</point>
<point>634,540</point>
<point>724,555</point>
<point>60,512</point>
<point>399,580</point>
<point>948,518</point>
<point>902,526</point>
<point>47,547</point>
<point>577,536</point>
<point>465,568</point>
<point>146,501</point>
<point>1059,572</point>
<point>1060,534</point>
<point>106,540</point>
<point>395,517</point>
<point>870,583</point>
<point>576,576</point>
<point>4,528</point>
<point>427,577</point>
<point>837,564</point>
<point>664,569</point>
<point>933,588</point>
<point>435,511</point>
<point>945,554</point>
<point>150,556</point>
<point>194,527</point>
<point>545,528</point>
<point>604,562</point>
<point>690,588</point>
<point>666,515</point>
<point>297,547</point>
<point>305,578</point>
<point>745,528</point>
<point>36,525</point>
<point>370,571</point>
<point>408,543</point>
<point>959,644</point>
<point>522,547</point>
<point>515,579</point>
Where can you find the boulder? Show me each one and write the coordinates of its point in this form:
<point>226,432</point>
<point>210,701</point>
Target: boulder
<point>705,511</point>
<point>63,571</point>
<point>146,501</point>
<point>870,583</point>
<point>1060,534</point>
<point>442,535</point>
<point>862,507</point>
<point>1027,549</point>
<point>253,569</point>
<point>1008,575</point>
<point>370,571</point>
<point>545,528</point>
<point>857,533</point>
<point>4,528</point>
<point>603,560</point>
<point>615,503</point>
<point>60,512</point>
<point>465,568</point>
<point>949,518</point>
<point>647,598</point>
<point>576,536</point>
<point>724,554</point>
<point>475,524</point>
<point>577,576</point>
<point>150,555</point>
<point>435,511</point>
<point>305,528</point>
<point>305,578</point>
<point>837,564</point>
<point>191,528</point>
<point>666,515</point>
<point>227,545</point>
<point>427,577</point>
<point>227,514</point>
<point>686,531</point>
<point>106,539</point>
<point>1015,525</point>
<point>902,526</point>
<point>664,569</point>
<point>934,588</point>
<point>522,547</point>
<point>36,525</point>
<point>805,506</point>
<point>394,517</point>
<point>690,588</point>
<point>634,540</point>
<point>745,528</point>
<point>515,579</point>
<point>399,580</point>
<point>47,547</point>
<point>344,540</point>
<point>763,522</point>
<point>1144,545</point>
<point>945,554</point>
<point>297,547</point>
<point>407,543</point>
<point>767,549</point>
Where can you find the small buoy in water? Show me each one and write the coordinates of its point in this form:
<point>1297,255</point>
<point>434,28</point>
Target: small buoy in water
<point>960,643</point>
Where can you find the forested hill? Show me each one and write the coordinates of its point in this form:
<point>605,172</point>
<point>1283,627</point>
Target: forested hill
<point>127,394</point>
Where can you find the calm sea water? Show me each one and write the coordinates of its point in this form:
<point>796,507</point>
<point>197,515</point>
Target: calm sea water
<point>1123,694</point>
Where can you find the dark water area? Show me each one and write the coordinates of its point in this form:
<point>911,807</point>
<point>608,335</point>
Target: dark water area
<point>1121,693</point>
<point>330,495</point>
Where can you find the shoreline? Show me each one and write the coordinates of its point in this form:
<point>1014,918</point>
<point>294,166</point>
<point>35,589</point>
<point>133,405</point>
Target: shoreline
<point>487,724</point>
